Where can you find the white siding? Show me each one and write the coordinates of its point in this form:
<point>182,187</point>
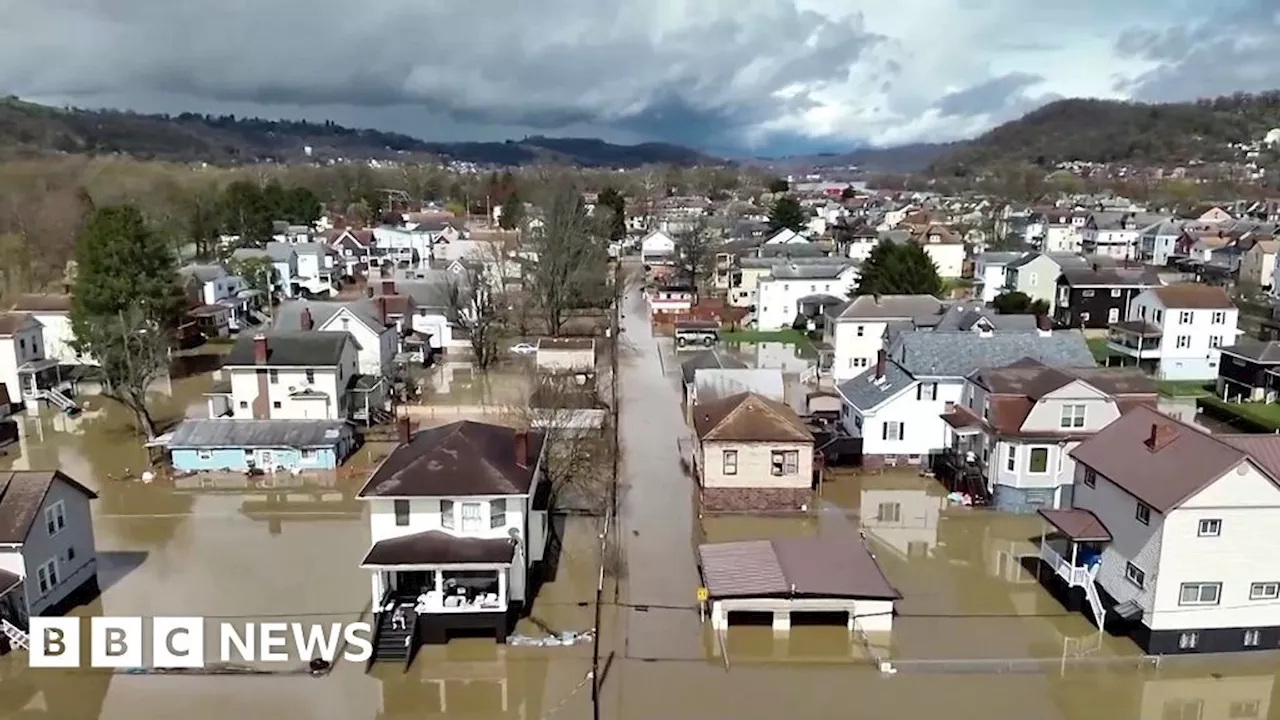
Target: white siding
<point>1131,540</point>
<point>856,345</point>
<point>755,465</point>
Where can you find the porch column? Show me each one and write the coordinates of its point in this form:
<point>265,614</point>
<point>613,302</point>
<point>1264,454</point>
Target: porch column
<point>1075,548</point>
<point>502,586</point>
<point>438,580</point>
<point>376,576</point>
<point>781,621</point>
<point>719,617</point>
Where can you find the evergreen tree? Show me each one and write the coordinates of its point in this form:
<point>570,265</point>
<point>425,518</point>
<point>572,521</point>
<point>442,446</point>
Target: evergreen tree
<point>787,213</point>
<point>894,269</point>
<point>512,214</point>
<point>617,204</point>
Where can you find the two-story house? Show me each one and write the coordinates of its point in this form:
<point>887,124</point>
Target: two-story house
<point>1062,231</point>
<point>214,293</point>
<point>1034,275</point>
<point>458,526</point>
<point>781,294</point>
<point>1095,297</point>
<point>1114,234</point>
<point>989,271</point>
<point>1249,371</point>
<point>896,407</point>
<point>754,453</point>
<point>48,559</point>
<point>944,247</point>
<point>1171,536</point>
<point>53,312</point>
<point>1158,241</point>
<point>657,248</point>
<point>27,374</point>
<point>284,263</point>
<point>354,248</point>
<point>288,375</point>
<point>1015,427</point>
<point>858,331</point>
<point>377,337</point>
<point>317,268</point>
<point>1177,331</point>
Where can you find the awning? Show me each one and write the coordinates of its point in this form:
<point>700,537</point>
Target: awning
<point>8,581</point>
<point>438,548</point>
<point>962,422</point>
<point>1078,525</point>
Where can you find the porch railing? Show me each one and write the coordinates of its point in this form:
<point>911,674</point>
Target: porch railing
<point>1076,576</point>
<point>16,636</point>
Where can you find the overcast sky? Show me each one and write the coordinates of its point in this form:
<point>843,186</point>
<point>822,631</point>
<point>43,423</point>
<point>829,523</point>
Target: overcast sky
<point>730,76</point>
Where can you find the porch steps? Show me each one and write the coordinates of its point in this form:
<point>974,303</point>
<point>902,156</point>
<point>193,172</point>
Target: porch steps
<point>1095,601</point>
<point>57,399</point>
<point>17,638</point>
<point>392,642</point>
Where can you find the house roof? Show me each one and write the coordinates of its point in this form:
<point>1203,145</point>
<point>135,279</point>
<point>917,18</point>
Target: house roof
<point>1110,277</point>
<point>708,359</point>
<point>291,348</point>
<point>866,392</point>
<point>881,307</point>
<point>243,433</point>
<point>203,273</point>
<point>43,303</point>
<point>812,271</point>
<point>288,315</point>
<point>437,548</point>
<point>12,322</point>
<point>1183,461</point>
<point>1255,350</point>
<point>1192,296</point>
<point>1078,524</point>
<point>458,459</point>
<point>812,567</point>
<point>748,417</point>
<point>957,354</point>
<point>22,494</point>
<point>8,581</point>
<point>966,315</point>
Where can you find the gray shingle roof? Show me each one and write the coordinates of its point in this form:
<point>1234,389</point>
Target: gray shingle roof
<point>796,271</point>
<point>866,393</point>
<point>234,433</point>
<point>965,315</point>
<point>203,273</point>
<point>869,307</point>
<point>956,354</point>
<point>288,316</point>
<point>1256,350</point>
<point>292,349</point>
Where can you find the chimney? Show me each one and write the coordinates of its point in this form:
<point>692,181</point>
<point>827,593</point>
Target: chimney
<point>880,358</point>
<point>381,303</point>
<point>388,287</point>
<point>522,448</point>
<point>368,291</point>
<point>305,321</point>
<point>260,349</point>
<point>406,430</point>
<point>1161,435</point>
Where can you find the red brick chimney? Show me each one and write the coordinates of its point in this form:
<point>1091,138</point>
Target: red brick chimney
<point>880,360</point>
<point>406,430</point>
<point>260,349</point>
<point>1161,435</point>
<point>305,321</point>
<point>388,287</point>
<point>522,448</point>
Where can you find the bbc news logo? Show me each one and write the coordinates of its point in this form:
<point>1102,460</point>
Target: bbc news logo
<point>181,642</point>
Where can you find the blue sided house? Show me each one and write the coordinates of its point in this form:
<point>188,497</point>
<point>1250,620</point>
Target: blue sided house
<point>269,445</point>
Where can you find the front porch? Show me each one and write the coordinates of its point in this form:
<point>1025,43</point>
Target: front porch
<point>963,467</point>
<point>1072,552</point>
<point>1137,340</point>
<point>46,380</point>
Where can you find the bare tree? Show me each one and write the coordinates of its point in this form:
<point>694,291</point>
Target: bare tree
<point>132,354</point>
<point>695,254</point>
<point>477,304</point>
<point>569,267</point>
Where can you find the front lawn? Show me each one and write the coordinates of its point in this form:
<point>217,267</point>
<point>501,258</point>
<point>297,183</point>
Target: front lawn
<point>1249,416</point>
<point>1184,388</point>
<point>1098,346</point>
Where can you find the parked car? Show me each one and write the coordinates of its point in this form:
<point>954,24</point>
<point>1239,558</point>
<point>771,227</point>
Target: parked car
<point>524,349</point>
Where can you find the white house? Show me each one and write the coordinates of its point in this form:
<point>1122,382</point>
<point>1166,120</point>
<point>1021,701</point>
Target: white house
<point>1015,426</point>
<point>657,248</point>
<point>317,269</point>
<point>989,270</point>
<point>377,336</point>
<point>1113,234</point>
<point>290,375</point>
<point>857,332</point>
<point>1062,232</point>
<point>786,236</point>
<point>780,294</point>
<point>896,407</point>
<point>28,375</point>
<point>458,528</point>
<point>1172,535</point>
<point>944,248</point>
<point>402,245</point>
<point>1158,241</point>
<point>283,260</point>
<point>53,312</point>
<point>48,560</point>
<point>1176,330</point>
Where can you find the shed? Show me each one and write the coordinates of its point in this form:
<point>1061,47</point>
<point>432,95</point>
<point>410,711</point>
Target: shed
<point>569,355</point>
<point>242,444</point>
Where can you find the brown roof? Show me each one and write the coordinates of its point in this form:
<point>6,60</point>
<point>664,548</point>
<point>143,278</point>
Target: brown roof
<point>1077,524</point>
<point>11,322</point>
<point>8,581</point>
<point>1183,460</point>
<point>437,548</point>
<point>748,417</point>
<point>1190,296</point>
<point>815,566</point>
<point>22,494</point>
<point>1015,390</point>
<point>461,458</point>
<point>43,302</point>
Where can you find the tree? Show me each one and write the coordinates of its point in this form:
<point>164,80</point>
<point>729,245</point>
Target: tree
<point>478,305</point>
<point>259,274</point>
<point>695,254</point>
<point>617,204</point>
<point>125,303</point>
<point>571,263</point>
<point>1018,303</point>
<point>779,185</point>
<point>848,193</point>
<point>893,269</point>
<point>244,212</point>
<point>787,213</point>
<point>512,215</point>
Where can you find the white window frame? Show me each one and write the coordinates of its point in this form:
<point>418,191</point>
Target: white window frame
<point>1182,342</point>
<point>1031,461</point>
<point>1198,588</point>
<point>886,431</point>
<point>1113,315</point>
<point>1115,292</point>
<point>497,513</point>
<point>1073,416</point>
<point>1264,591</point>
<point>448,520</point>
<point>1011,458</point>
<point>784,462</point>
<point>1090,477</point>
<point>729,462</point>
<point>396,506</point>
<point>1142,513</point>
<point>1209,527</point>
<point>47,576</point>
<point>1184,317</point>
<point>1135,575</point>
<point>1250,639</point>
<point>1219,317</point>
<point>1215,341</point>
<point>889,512</point>
<point>55,518</point>
<point>204,454</point>
<point>1190,641</point>
<point>471,517</point>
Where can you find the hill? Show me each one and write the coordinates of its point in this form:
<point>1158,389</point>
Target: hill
<point>1109,131</point>
<point>899,159</point>
<point>27,128</point>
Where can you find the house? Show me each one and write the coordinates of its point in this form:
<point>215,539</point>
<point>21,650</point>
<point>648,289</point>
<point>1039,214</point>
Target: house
<point>858,331</point>
<point>670,299</point>
<point>290,375</point>
<point>1258,264</point>
<point>1015,426</point>
<point>1158,241</point>
<point>228,299</point>
<point>1170,538</point>
<point>244,445</point>
<point>400,246</point>
<point>355,249</point>
<point>657,248</point>
<point>1062,231</point>
<point>896,407</point>
<point>48,560</point>
<point>317,270</point>
<point>786,236</point>
<point>1249,371</point>
<point>1095,297</point>
<point>1034,275</point>
<point>989,271</point>
<point>1113,234</point>
<point>367,320</point>
<point>566,356</point>
<point>458,526</point>
<point>27,374</point>
<point>53,312</point>
<point>284,261</point>
<point>944,247</point>
<point>780,294</point>
<point>1176,331</point>
<point>753,454</point>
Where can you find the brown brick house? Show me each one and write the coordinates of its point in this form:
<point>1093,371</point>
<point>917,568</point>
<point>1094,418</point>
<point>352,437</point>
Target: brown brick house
<point>753,454</point>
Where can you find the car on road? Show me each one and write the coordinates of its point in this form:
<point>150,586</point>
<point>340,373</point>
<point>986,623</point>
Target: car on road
<point>523,349</point>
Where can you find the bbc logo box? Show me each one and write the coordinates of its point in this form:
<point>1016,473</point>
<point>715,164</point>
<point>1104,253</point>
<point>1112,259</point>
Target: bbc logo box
<point>117,642</point>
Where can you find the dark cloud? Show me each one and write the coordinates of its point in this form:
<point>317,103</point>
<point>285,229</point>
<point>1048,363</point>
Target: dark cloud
<point>987,97</point>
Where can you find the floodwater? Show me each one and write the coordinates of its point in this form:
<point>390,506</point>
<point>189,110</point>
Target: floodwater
<point>975,630</point>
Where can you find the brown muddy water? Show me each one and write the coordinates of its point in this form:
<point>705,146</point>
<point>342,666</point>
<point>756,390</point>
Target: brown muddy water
<point>253,553</point>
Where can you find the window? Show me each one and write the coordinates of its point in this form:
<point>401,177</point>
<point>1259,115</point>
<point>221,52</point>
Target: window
<point>1200,593</point>
<point>785,462</point>
<point>1184,341</point>
<point>276,404</point>
<point>1264,591</point>
<point>1210,528</point>
<point>204,454</point>
<point>402,512</point>
<point>1072,416</point>
<point>859,330</point>
<point>446,515</point>
<point>1184,317</point>
<point>346,323</point>
<point>1143,514</point>
<point>310,455</point>
<point>471,517</point>
<point>55,518</point>
<point>244,404</point>
<point>1250,639</point>
<point>889,512</point>
<point>1084,317</point>
<point>1115,292</point>
<point>1189,641</point>
<point>1086,293</point>
<point>1039,461</point>
<point>1215,341</point>
<point>274,375</point>
<point>730,462</point>
<point>1010,458</point>
<point>47,576</point>
<point>891,431</point>
<point>497,513</point>
<point>1245,708</point>
<point>1113,315</point>
<point>1182,710</point>
<point>1134,575</point>
<point>1090,477</point>
<point>311,376</point>
<point>1219,317</point>
<point>927,391</point>
<point>1157,316</point>
<point>71,554</point>
<point>1031,279</point>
